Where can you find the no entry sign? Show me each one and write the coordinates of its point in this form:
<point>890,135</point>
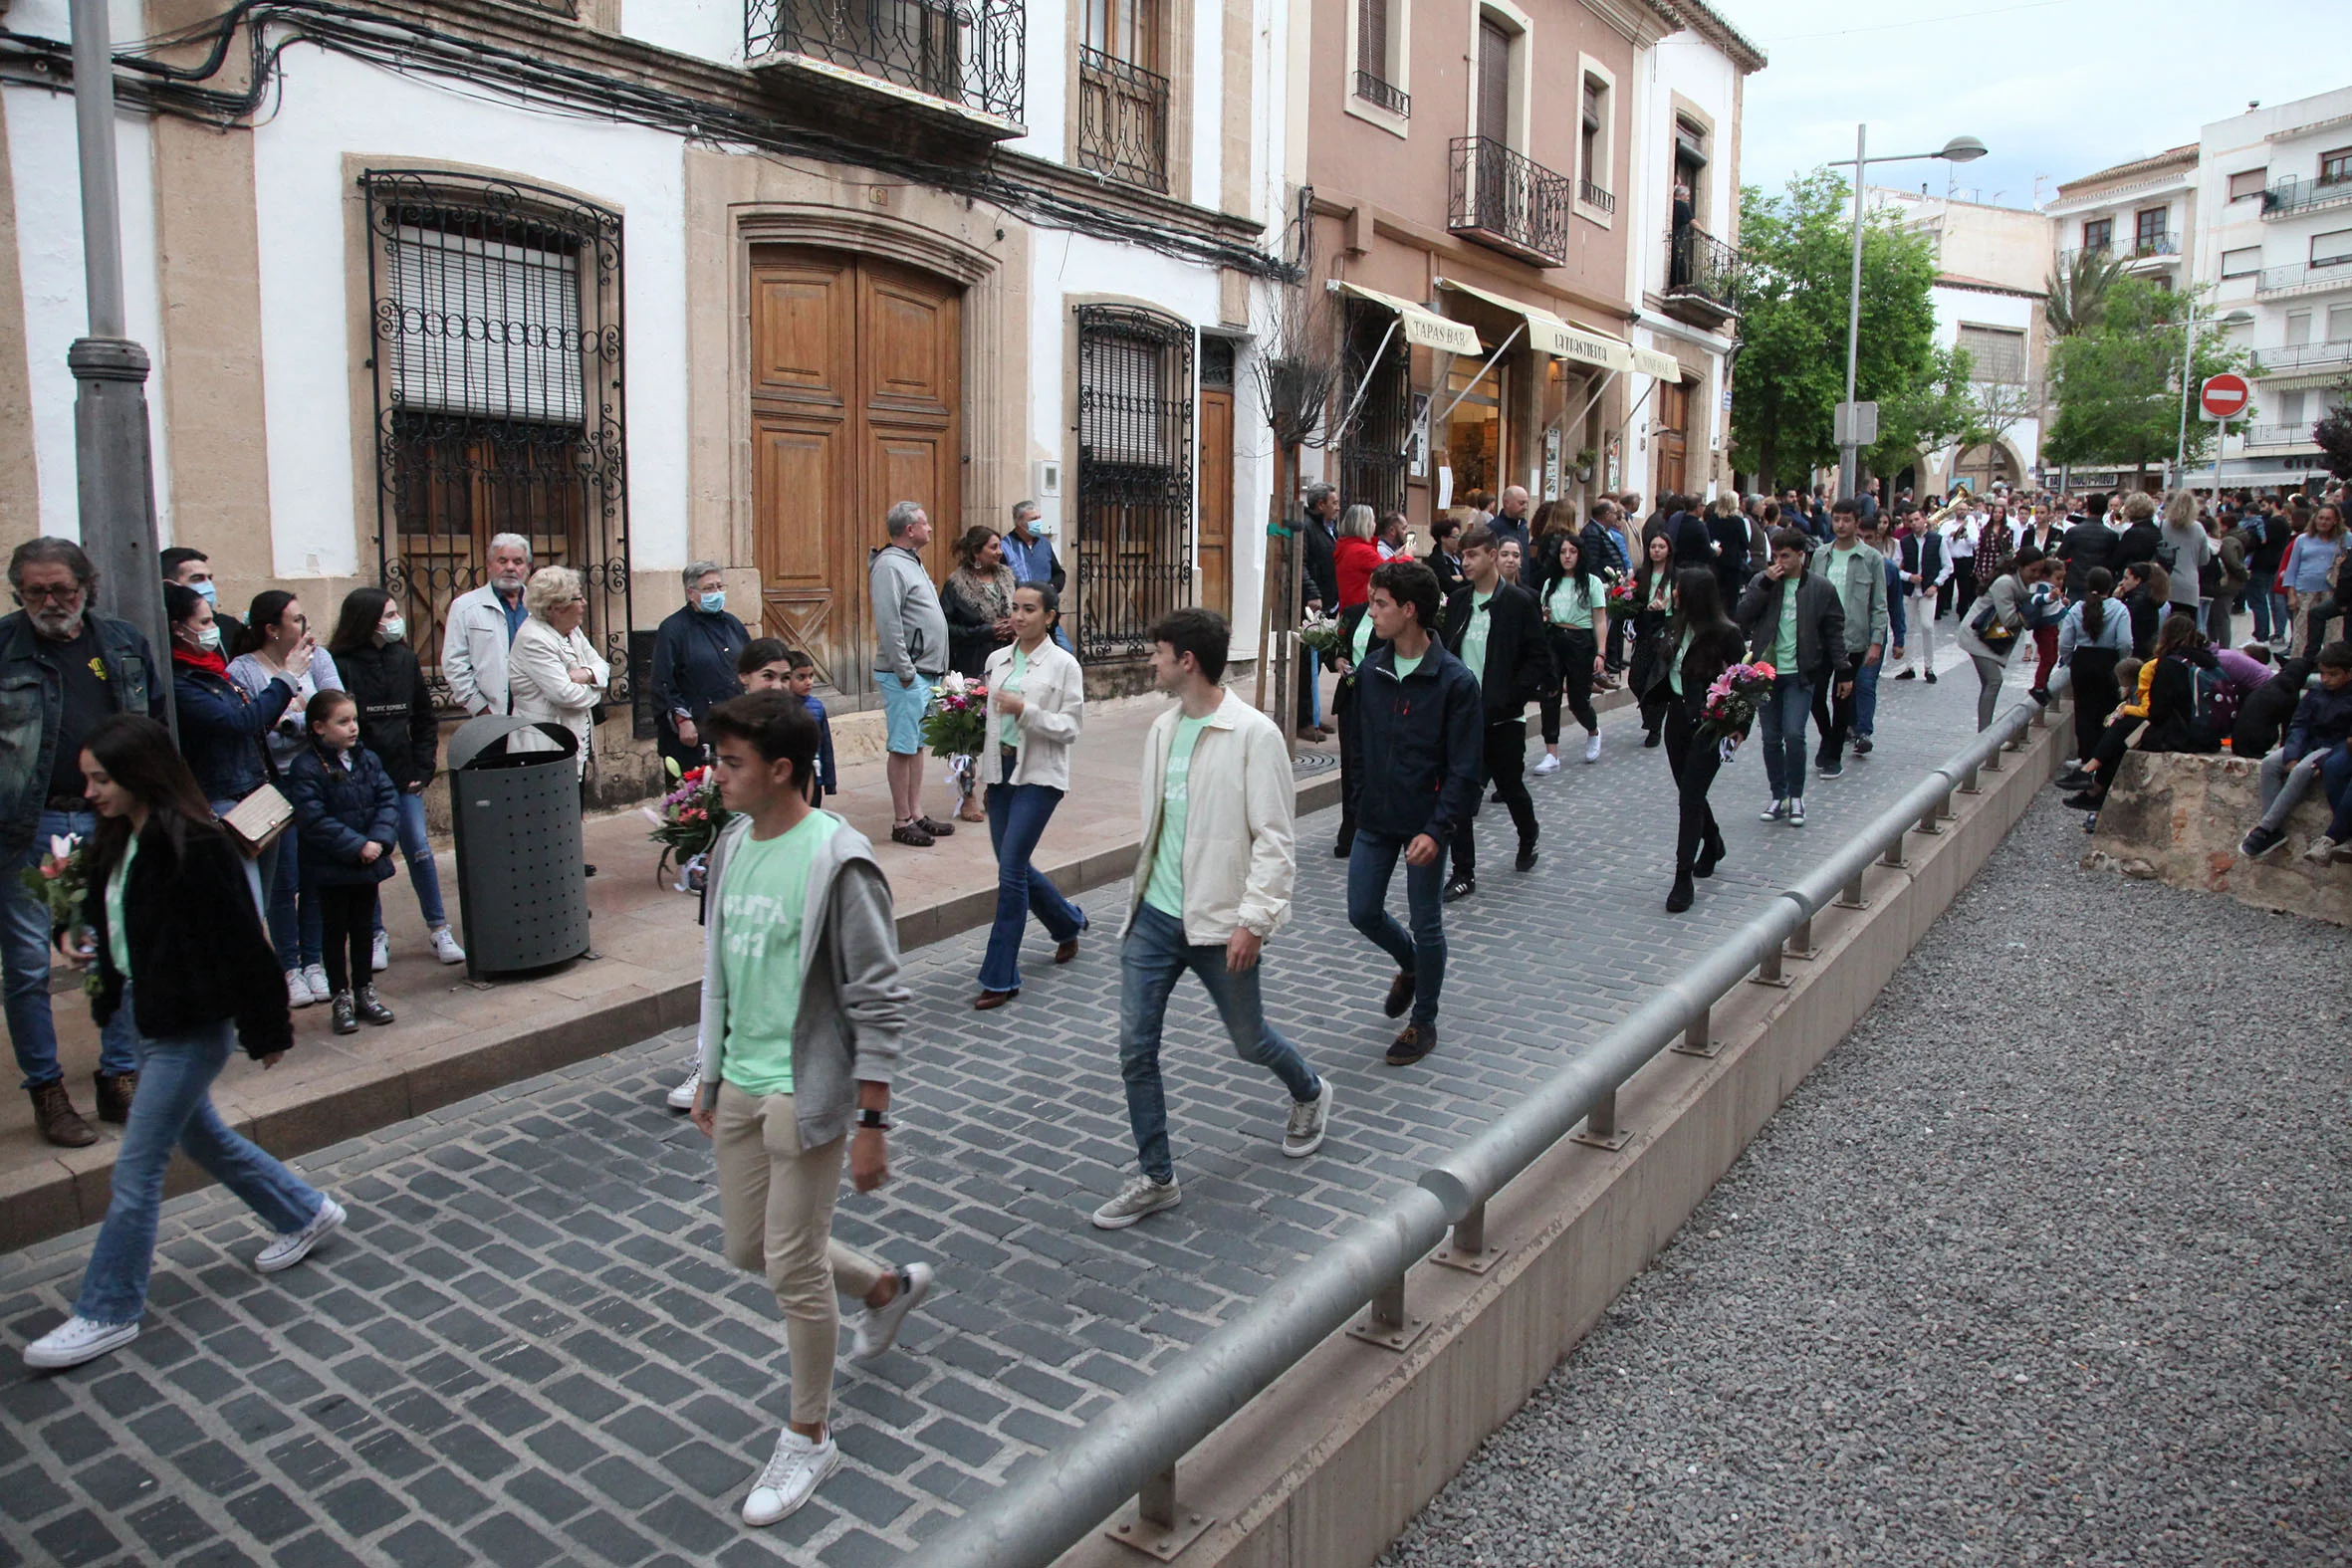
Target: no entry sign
<point>2225,396</point>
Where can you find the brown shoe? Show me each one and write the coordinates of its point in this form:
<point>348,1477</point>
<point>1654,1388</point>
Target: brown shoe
<point>911,834</point>
<point>1063,952</point>
<point>114,1095</point>
<point>970,812</point>
<point>1412,1043</point>
<point>935,828</point>
<point>991,998</point>
<point>59,1122</point>
<point>1400,993</point>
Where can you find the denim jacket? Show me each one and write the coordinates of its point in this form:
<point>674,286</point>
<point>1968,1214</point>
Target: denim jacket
<point>32,703</point>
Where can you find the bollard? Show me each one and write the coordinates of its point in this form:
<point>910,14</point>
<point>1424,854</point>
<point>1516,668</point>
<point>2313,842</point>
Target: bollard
<point>1600,1129</point>
<point>1385,1322</point>
<point>1467,1249</point>
<point>1157,1525</point>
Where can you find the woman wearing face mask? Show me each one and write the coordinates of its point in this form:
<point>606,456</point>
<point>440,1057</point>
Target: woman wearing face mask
<point>396,723</point>
<point>221,725</point>
<point>277,644</point>
<point>694,656</point>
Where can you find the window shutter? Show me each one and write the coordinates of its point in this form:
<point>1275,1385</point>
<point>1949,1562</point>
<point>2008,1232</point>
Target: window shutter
<point>1493,82</point>
<point>1372,38</point>
<point>496,327</point>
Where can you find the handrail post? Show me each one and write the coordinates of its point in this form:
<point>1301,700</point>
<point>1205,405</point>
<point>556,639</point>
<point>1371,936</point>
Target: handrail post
<point>1968,784</point>
<point>1850,896</point>
<point>1992,762</point>
<point>1893,858</point>
<point>1385,1322</point>
<point>1801,940</point>
<point>1600,1129</point>
<point>1159,1527</point>
<point>1467,1249</point>
<point>1768,972</point>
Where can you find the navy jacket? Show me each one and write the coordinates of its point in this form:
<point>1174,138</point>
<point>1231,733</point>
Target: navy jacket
<point>694,663</point>
<point>339,813</point>
<point>220,729</point>
<point>2322,718</point>
<point>1429,732</point>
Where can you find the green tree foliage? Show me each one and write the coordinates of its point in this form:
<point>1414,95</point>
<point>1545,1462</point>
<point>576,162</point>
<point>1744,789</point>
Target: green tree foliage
<point>2334,431</point>
<point>2117,383</point>
<point>2076,293</point>
<point>1939,408</point>
<point>1796,252</point>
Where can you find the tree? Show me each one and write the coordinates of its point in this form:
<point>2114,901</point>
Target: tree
<point>1796,250</point>
<point>2333,432</point>
<point>1936,410</point>
<point>2076,293</point>
<point>2118,388</point>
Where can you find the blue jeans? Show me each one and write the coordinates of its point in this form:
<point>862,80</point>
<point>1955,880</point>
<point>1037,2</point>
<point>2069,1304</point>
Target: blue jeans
<point>417,848</point>
<point>1017,818</point>
<point>173,1109</point>
<point>1153,954</point>
<point>2267,610</point>
<point>24,962</point>
<point>1371,862</point>
<point>296,928</point>
<point>261,872</point>
<point>1781,716</point>
<point>1866,701</point>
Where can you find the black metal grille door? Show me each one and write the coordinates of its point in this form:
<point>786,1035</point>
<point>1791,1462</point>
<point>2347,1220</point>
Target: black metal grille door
<point>499,395</point>
<point>1134,478</point>
<point>1372,449</point>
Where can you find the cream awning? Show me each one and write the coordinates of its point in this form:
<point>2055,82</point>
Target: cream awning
<point>1649,361</point>
<point>1547,333</point>
<point>1422,325</point>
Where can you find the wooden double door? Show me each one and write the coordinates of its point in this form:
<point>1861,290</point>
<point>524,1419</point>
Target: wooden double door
<point>857,403</point>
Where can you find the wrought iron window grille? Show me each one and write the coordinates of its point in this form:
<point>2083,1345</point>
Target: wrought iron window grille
<point>1506,200</point>
<point>1372,89</point>
<point>966,52</point>
<point>1122,119</point>
<point>1134,477</point>
<point>1372,455</point>
<point>497,311</point>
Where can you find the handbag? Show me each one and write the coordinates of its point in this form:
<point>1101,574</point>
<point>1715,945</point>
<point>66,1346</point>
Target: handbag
<point>1986,624</point>
<point>256,821</point>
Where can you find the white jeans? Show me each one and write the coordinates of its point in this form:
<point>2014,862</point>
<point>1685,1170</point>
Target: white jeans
<point>1918,637</point>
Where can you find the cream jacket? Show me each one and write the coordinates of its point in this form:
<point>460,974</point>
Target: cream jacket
<point>539,669</point>
<point>1240,854</point>
<point>1054,695</point>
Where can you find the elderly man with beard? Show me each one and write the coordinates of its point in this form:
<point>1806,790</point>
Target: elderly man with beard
<point>482,626</point>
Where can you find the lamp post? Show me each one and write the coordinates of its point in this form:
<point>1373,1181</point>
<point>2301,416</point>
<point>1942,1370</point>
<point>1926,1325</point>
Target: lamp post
<point>2189,390</point>
<point>1959,150</point>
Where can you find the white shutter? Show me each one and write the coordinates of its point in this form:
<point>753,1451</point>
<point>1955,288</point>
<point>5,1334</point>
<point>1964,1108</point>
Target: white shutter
<point>492,329</point>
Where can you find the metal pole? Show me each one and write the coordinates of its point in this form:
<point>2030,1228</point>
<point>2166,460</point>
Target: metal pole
<point>2220,435</point>
<point>1847,458</point>
<point>113,460</point>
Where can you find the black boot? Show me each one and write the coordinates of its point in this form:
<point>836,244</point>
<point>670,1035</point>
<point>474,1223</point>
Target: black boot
<point>346,1021</point>
<point>1680,898</point>
<point>371,1009</point>
<point>1710,856</point>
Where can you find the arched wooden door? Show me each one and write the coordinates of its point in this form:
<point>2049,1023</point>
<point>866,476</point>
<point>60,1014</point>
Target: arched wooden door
<point>856,394</point>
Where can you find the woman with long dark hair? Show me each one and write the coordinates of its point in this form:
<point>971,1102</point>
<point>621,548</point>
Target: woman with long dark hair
<point>1577,620</point>
<point>1702,643</point>
<point>169,925</point>
<point>1653,607</point>
<point>2014,605</point>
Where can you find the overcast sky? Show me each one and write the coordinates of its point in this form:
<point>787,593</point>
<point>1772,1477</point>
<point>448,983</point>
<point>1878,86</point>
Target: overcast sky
<point>2056,89</point>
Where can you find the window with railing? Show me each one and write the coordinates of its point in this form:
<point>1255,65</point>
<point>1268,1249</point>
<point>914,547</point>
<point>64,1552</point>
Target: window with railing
<point>2335,169</point>
<point>2098,234</point>
<point>1134,477</point>
<point>1592,146</point>
<point>1506,200</point>
<point>2148,231</point>
<point>969,53</point>
<point>1376,62</point>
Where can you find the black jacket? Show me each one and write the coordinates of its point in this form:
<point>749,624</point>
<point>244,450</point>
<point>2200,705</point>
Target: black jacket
<point>1518,655</point>
<point>2147,613</point>
<point>1426,736</point>
<point>2086,546</point>
<point>395,710</point>
<point>2263,717</point>
<point>191,970</point>
<point>1708,658</point>
<point>1820,625</point>
<point>2173,724</point>
<point>1729,534</point>
<point>1692,545</point>
<point>1448,571</point>
<point>1319,577</point>
<point>694,664</point>
<point>2135,543</point>
<point>339,813</point>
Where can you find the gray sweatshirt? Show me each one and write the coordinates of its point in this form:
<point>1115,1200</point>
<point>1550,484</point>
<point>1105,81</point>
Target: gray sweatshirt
<point>2192,548</point>
<point>910,629</point>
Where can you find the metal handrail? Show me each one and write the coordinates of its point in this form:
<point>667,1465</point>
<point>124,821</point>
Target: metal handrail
<point>1131,1449</point>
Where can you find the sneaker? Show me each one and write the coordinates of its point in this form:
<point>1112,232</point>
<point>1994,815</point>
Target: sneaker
<point>1138,1198</point>
<point>2260,841</point>
<point>346,1019</point>
<point>1907,675</point>
<point>1593,747</point>
<point>76,1340</point>
<point>1796,814</point>
<point>1526,858</point>
<point>445,946</point>
<point>1864,746</point>
<point>681,1098</point>
<point>1829,770</point>
<point>1931,677</point>
<point>380,958</point>
<point>1548,766</point>
<point>1460,888</point>
<point>877,1329</point>
<point>1773,813</point>
<point>298,991</point>
<point>2073,778</point>
<point>1413,1042</point>
<point>2081,801</point>
<point>1310,1119</point>
<point>293,1246</point>
<point>314,977</point>
<point>2321,851</point>
<point>370,1011</point>
<point>798,1468</point>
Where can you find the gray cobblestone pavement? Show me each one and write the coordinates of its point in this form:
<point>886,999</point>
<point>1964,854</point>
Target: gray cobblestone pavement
<point>526,1348</point>
<point>2046,1263</point>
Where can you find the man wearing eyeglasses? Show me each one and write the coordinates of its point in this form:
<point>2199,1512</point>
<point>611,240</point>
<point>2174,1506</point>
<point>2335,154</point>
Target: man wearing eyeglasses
<point>63,669</point>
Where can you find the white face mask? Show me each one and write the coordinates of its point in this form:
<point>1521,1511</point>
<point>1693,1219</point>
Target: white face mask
<point>391,629</point>
<point>210,638</point>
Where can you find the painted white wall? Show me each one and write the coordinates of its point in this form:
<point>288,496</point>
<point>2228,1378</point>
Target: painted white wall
<point>331,107</point>
<point>44,165</point>
<point>706,29</point>
<point>1045,90</point>
<point>1208,104</point>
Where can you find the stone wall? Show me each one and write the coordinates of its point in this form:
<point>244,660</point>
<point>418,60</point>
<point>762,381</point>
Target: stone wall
<point>2178,818</point>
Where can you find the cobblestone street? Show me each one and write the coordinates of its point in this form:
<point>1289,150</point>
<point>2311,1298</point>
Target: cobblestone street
<point>526,1347</point>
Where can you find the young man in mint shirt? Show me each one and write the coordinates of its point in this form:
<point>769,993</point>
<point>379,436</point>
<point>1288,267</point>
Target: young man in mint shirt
<point>1796,624</point>
<point>1213,878</point>
<point>802,1012</point>
<point>1496,630</point>
<point>1859,574</point>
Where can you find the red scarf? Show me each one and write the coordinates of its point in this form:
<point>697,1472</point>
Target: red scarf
<point>201,661</point>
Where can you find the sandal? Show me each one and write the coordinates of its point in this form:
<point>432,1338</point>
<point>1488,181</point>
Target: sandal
<point>911,834</point>
<point>935,828</point>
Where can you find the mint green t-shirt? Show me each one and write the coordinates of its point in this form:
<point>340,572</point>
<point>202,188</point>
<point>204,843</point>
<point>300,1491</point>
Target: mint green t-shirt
<point>1570,605</point>
<point>1405,666</point>
<point>761,899</point>
<point>117,939</point>
<point>1164,889</point>
<point>1784,645</point>
<point>1843,580</point>
<point>1363,637</point>
<point>1682,651</point>
<point>1008,727</point>
<point>1474,636</point>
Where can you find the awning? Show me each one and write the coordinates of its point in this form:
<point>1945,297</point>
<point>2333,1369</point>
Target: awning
<point>1547,333</point>
<point>1649,361</point>
<point>1423,325</point>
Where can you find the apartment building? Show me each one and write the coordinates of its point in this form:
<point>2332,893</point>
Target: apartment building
<point>2138,212</point>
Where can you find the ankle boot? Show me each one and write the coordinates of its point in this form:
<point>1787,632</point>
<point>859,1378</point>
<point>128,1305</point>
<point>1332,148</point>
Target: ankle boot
<point>59,1122</point>
<point>344,1021</point>
<point>1680,898</point>
<point>114,1095</point>
<point>369,1010</point>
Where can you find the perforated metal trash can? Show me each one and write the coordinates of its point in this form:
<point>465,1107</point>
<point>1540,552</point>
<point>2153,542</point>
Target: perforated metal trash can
<point>522,886</point>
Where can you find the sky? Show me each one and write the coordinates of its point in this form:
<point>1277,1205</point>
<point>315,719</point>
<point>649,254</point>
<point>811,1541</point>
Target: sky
<point>2056,89</point>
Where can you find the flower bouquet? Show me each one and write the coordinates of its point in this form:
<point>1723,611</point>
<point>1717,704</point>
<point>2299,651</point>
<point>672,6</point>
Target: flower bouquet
<point>957,723</point>
<point>1322,636</point>
<point>687,824</point>
<point>1620,591</point>
<point>60,880</point>
<point>1731,700</point>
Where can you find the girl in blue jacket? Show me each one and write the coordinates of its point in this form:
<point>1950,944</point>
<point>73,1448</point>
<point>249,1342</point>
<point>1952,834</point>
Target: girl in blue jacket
<point>349,815</point>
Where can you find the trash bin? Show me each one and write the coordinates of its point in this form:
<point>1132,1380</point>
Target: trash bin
<point>522,886</point>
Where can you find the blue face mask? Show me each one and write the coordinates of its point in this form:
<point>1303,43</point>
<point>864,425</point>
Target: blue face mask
<point>712,604</point>
<point>210,591</point>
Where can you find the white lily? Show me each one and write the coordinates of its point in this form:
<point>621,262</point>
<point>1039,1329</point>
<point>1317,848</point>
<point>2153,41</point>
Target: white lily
<point>62,846</point>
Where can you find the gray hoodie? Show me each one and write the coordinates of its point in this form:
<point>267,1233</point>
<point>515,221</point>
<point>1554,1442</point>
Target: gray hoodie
<point>910,629</point>
<point>2192,548</point>
<point>852,1005</point>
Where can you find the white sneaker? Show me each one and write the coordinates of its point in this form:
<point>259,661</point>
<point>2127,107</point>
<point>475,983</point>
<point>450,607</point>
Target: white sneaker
<point>681,1098</point>
<point>76,1340</point>
<point>297,992</point>
<point>1309,1120</point>
<point>2321,851</point>
<point>1138,1198</point>
<point>790,1478</point>
<point>381,958</point>
<point>292,1247</point>
<point>445,946</point>
<point>1593,747</point>
<point>314,977</point>
<point>1548,766</point>
<point>877,1329</point>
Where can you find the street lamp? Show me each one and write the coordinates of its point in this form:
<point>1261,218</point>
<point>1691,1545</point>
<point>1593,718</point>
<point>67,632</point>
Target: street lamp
<point>2189,392</point>
<point>1959,150</point>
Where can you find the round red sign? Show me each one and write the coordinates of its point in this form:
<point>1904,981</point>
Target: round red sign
<point>2225,396</point>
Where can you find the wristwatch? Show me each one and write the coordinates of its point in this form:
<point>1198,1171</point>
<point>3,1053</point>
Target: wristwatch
<point>873,1119</point>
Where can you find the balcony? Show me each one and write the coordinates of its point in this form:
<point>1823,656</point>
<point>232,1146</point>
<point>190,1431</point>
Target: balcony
<point>1593,196</point>
<point>1380,95</point>
<point>2296,194</point>
<point>1700,273</point>
<point>2280,435</point>
<point>2162,249</point>
<point>1122,120</point>
<point>956,64</point>
<point>1508,203</point>
<point>2278,282</point>
<point>2302,358</point>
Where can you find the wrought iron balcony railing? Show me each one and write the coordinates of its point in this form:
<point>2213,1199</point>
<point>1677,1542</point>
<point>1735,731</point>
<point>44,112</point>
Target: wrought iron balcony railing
<point>2294,359</point>
<point>2280,435</point>
<point>1504,199</point>
<point>1122,120</point>
<point>1696,262</point>
<point>969,53</point>
<point>2296,194</point>
<point>1593,196</point>
<point>2304,278</point>
<point>1372,89</point>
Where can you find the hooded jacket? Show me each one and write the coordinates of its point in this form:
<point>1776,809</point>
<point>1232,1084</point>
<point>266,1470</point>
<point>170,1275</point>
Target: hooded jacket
<point>396,719</point>
<point>2322,718</point>
<point>910,627</point>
